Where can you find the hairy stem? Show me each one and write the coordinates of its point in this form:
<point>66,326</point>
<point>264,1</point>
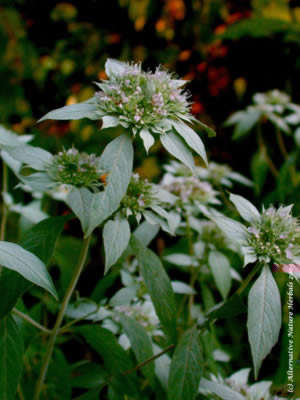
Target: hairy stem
<point>60,317</point>
<point>31,321</point>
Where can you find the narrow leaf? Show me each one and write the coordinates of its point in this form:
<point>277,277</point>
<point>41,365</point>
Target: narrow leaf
<point>114,67</point>
<point>220,267</point>
<point>221,390</point>
<point>14,257</point>
<point>86,109</point>
<point>35,157</point>
<point>109,122</point>
<point>116,235</point>
<point>147,139</point>
<point>233,229</point>
<point>115,358</point>
<point>191,138</point>
<point>39,240</point>
<point>140,342</point>
<point>264,317</point>
<point>11,354</point>
<point>175,146</point>
<point>158,285</point>
<point>246,209</point>
<point>80,200</point>
<point>186,367</point>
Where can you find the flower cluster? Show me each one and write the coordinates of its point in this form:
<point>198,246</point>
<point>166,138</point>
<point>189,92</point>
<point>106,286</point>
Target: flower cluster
<point>274,100</point>
<point>236,386</point>
<point>188,187</point>
<point>143,312</point>
<point>215,173</point>
<point>271,237</point>
<point>144,199</point>
<point>191,189</point>
<point>70,167</point>
<point>275,237</point>
<point>274,106</point>
<point>142,99</point>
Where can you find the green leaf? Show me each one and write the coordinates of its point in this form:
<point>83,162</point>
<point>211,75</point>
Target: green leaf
<point>221,390</point>
<point>39,182</point>
<point>175,146</point>
<point>246,209</point>
<point>114,67</point>
<point>259,170</point>
<point>264,317</point>
<point>116,235</point>
<point>35,157</point>
<point>210,132</point>
<point>117,161</point>
<point>41,239</point>
<point>186,367</point>
<point>227,309</point>
<point>11,354</point>
<point>140,342</point>
<point>245,124</point>
<point>115,358</point>
<point>14,257</point>
<point>109,122</point>
<point>147,138</point>
<point>80,200</point>
<point>88,376</point>
<point>12,286</point>
<point>9,139</point>
<point>86,109</point>
<point>191,138</point>
<point>220,267</point>
<point>158,285</point>
<point>182,288</point>
<point>233,229</point>
<point>146,232</point>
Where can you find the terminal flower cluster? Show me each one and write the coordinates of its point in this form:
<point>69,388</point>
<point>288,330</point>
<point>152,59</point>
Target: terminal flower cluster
<point>141,100</point>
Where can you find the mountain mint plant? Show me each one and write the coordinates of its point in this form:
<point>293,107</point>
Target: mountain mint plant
<point>140,330</point>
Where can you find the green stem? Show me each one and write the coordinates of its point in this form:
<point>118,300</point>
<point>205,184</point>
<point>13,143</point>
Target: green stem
<point>193,274</point>
<point>248,279</point>
<point>54,333</point>
<point>66,327</point>
<point>31,321</point>
<point>142,364</point>
<point>4,206</point>
<point>263,149</point>
<point>285,155</point>
<point>281,144</point>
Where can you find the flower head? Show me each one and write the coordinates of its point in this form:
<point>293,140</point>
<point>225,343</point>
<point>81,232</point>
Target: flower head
<point>70,167</point>
<point>275,237</point>
<point>237,383</point>
<point>143,200</point>
<point>272,236</point>
<point>141,100</point>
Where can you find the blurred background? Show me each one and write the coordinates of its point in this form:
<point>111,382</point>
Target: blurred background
<point>52,51</point>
